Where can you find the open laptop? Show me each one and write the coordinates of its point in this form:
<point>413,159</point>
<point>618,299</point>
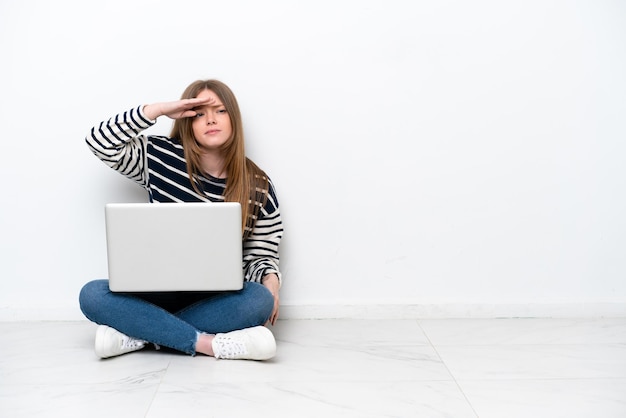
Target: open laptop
<point>162,247</point>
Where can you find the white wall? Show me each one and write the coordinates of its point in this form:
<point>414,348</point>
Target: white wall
<point>435,158</point>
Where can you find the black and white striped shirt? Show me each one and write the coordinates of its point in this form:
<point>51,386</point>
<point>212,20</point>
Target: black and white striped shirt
<point>157,163</point>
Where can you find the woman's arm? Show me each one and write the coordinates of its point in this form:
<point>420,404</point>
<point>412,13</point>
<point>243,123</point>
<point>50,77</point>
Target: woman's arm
<point>273,285</point>
<point>119,144</point>
<point>260,252</point>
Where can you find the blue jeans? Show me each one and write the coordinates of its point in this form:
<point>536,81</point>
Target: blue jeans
<point>174,319</point>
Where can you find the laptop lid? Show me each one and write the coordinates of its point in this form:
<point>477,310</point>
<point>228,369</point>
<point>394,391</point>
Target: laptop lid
<point>160,247</point>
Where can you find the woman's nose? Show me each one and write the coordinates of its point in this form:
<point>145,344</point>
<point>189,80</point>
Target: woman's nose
<point>210,119</point>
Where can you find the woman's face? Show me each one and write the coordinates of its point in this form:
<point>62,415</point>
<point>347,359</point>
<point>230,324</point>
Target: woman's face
<point>211,126</point>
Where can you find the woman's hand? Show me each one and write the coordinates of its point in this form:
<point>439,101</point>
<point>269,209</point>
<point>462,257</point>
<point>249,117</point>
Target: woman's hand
<point>273,285</point>
<point>177,109</point>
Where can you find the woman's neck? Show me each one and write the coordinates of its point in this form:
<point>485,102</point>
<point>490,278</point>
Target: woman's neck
<point>213,165</point>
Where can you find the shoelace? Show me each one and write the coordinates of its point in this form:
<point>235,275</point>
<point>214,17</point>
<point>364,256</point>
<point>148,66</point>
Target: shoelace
<point>131,343</point>
<point>229,348</point>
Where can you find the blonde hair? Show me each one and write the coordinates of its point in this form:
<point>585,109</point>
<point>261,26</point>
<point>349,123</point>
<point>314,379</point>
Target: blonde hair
<point>246,183</point>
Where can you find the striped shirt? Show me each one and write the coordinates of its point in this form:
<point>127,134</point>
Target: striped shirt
<point>157,163</point>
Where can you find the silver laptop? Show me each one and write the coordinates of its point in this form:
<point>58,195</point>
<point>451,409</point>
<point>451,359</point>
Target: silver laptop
<point>162,247</point>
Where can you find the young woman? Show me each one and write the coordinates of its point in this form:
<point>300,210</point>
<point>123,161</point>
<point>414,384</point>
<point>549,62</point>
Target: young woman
<point>202,160</point>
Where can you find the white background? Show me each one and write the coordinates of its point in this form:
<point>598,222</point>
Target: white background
<point>426,153</point>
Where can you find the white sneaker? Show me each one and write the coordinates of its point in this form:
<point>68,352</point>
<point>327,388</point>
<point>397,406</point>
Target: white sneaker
<point>110,342</point>
<point>255,343</point>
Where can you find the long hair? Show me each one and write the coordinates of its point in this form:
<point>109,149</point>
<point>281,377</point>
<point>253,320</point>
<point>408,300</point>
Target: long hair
<point>246,183</point>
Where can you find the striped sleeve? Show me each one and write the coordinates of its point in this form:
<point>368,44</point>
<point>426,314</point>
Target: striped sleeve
<point>119,144</point>
<point>260,250</point>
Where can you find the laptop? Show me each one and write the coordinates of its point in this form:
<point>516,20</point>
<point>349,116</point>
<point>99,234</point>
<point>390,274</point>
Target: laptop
<point>174,247</point>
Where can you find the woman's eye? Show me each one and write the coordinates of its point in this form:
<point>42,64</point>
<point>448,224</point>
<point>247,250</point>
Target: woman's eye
<point>198,115</point>
<point>221,111</point>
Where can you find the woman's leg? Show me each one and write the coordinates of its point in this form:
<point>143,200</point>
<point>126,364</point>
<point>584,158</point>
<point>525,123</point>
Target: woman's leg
<point>230,311</point>
<point>136,317</point>
<point>232,323</point>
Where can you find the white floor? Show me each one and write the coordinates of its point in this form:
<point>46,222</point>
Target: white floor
<point>330,368</point>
